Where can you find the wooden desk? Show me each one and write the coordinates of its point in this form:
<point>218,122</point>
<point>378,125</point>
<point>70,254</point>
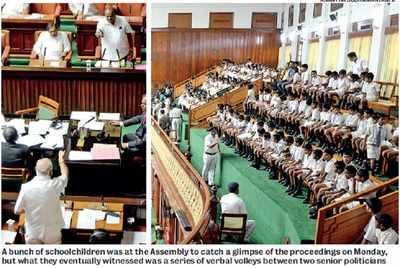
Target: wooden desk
<point>47,63</point>
<point>22,31</point>
<point>87,41</point>
<point>102,90</point>
<point>100,224</point>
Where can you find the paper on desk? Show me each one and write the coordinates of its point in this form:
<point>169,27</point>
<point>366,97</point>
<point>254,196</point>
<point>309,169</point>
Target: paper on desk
<point>63,130</point>
<point>67,216</point>
<point>79,155</point>
<point>95,125</point>
<point>82,116</point>
<point>87,218</point>
<point>95,18</point>
<point>53,141</point>
<point>7,237</point>
<point>33,16</point>
<point>39,127</point>
<point>110,219</point>
<point>30,140</point>
<point>54,64</point>
<point>109,116</point>
<point>19,125</point>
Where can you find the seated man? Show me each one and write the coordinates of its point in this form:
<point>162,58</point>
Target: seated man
<point>112,32</point>
<point>52,44</point>
<point>232,203</point>
<point>385,233</point>
<point>135,142</point>
<point>13,154</point>
<point>82,10</point>
<point>14,8</point>
<point>39,199</point>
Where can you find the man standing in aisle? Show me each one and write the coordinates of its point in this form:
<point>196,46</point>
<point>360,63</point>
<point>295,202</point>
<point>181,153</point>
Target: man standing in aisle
<point>176,121</point>
<point>210,156</point>
<point>357,65</point>
<point>39,199</point>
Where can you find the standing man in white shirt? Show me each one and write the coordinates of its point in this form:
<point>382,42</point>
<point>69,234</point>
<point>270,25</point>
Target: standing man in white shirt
<point>176,121</point>
<point>233,204</point>
<point>357,65</point>
<point>39,199</point>
<point>113,32</point>
<point>14,8</point>
<point>210,156</point>
<point>52,44</point>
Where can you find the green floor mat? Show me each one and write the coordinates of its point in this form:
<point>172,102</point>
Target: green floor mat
<point>277,215</point>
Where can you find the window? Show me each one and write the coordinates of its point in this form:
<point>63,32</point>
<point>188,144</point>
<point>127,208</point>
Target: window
<point>221,20</point>
<point>291,13</point>
<point>302,13</point>
<point>390,69</point>
<point>263,20</point>
<point>336,6</point>
<point>180,20</point>
<point>317,10</point>
<point>331,55</point>
<point>313,52</point>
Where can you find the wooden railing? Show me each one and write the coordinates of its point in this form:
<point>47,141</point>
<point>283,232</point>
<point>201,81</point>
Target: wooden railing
<point>234,98</point>
<point>186,192</point>
<point>196,80</point>
<point>346,227</point>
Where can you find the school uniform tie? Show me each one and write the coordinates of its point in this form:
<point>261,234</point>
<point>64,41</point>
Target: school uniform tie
<point>378,136</point>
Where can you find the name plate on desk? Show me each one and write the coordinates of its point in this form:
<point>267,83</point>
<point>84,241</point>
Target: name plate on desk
<point>48,63</point>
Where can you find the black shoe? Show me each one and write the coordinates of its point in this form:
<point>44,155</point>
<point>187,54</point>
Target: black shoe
<point>237,151</point>
<point>289,189</point>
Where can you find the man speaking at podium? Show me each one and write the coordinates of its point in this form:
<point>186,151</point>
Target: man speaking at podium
<point>113,33</point>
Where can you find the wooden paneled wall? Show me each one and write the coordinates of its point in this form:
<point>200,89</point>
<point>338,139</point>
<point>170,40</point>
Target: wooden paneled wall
<point>177,54</point>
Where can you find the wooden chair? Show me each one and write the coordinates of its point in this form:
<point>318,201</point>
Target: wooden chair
<point>47,109</point>
<point>388,97</point>
<point>67,57</point>
<point>5,46</point>
<point>233,224</point>
<point>12,178</point>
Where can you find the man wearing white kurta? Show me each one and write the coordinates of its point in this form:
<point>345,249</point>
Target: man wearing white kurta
<point>210,156</point>
<point>52,44</point>
<point>232,203</point>
<point>39,199</point>
<point>357,65</point>
<point>112,32</point>
<point>176,120</point>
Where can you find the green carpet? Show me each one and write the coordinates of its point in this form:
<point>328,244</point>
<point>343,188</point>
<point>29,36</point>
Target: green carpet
<point>277,215</point>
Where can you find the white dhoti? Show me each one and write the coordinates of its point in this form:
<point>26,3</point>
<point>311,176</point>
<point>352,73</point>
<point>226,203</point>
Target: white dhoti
<point>209,165</point>
<point>176,127</point>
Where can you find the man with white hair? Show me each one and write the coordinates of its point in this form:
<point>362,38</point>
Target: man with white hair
<point>39,199</point>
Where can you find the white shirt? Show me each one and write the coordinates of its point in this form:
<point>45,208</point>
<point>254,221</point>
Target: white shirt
<point>250,95</point>
<point>40,199</point>
<point>175,113</point>
<point>358,66</point>
<point>329,170</point>
<point>305,77</point>
<point>387,237</point>
<point>232,203</point>
<point>208,140</point>
<point>55,47</point>
<point>370,231</point>
<point>341,182</point>
<point>315,81</point>
<point>333,83</point>
<point>343,86</point>
<point>13,8</point>
<point>296,78</point>
<point>115,38</point>
<point>351,120</point>
<point>315,116</point>
<point>336,119</point>
<point>371,90</point>
<point>298,154</point>
<point>88,9</point>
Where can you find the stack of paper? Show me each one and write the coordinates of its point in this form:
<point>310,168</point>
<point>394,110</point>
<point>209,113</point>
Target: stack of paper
<point>8,237</point>
<point>39,127</point>
<point>53,141</point>
<point>79,155</point>
<point>95,125</point>
<point>82,116</point>
<point>19,125</point>
<point>63,130</point>
<point>30,140</point>
<point>87,218</point>
<point>111,219</point>
<point>105,152</point>
<point>109,116</point>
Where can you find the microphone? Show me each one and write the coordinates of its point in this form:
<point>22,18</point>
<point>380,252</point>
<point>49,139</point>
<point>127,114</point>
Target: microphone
<point>83,8</point>
<point>44,55</point>
<point>91,119</point>
<point>119,59</point>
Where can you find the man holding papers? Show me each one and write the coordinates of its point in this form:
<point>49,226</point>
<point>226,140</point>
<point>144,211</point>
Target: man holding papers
<point>52,44</point>
<point>113,33</point>
<point>39,199</point>
<point>13,154</point>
